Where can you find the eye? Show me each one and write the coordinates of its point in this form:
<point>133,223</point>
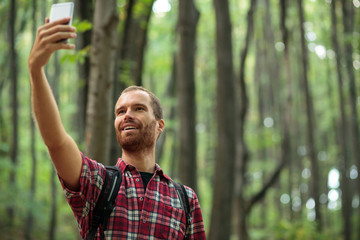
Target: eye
<point>120,111</point>
<point>140,108</point>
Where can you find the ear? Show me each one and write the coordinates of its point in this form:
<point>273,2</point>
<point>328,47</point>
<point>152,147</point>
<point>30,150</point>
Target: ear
<point>161,125</point>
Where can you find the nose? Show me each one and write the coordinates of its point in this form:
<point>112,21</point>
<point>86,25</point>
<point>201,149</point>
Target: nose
<point>128,115</point>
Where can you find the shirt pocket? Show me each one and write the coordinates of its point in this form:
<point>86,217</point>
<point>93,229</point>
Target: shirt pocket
<point>170,223</point>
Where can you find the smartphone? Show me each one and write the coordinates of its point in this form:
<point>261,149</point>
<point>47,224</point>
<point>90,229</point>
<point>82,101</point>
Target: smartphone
<point>62,10</point>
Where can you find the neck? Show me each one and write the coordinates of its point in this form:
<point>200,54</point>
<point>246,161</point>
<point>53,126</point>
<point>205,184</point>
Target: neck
<point>144,161</point>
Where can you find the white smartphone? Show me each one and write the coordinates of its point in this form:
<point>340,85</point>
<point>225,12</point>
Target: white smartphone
<point>62,10</point>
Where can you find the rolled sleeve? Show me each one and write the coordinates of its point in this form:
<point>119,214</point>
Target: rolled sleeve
<point>82,201</point>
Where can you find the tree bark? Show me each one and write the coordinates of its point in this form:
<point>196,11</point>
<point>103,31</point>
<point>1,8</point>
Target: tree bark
<point>134,40</point>
<point>53,211</point>
<point>188,19</point>
<point>29,225</point>
<point>286,121</point>
<point>242,150</point>
<point>100,107</point>
<point>14,105</point>
<point>315,191</point>
<point>221,215</point>
<point>84,10</point>
<point>348,23</point>
<point>344,165</point>
<point>170,94</point>
<point>262,154</point>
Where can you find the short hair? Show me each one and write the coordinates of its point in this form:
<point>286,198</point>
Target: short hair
<point>155,102</point>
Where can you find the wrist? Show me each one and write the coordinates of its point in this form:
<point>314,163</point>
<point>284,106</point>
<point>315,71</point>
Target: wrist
<point>34,70</point>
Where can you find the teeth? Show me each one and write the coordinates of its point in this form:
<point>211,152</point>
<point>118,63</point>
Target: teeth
<point>128,128</point>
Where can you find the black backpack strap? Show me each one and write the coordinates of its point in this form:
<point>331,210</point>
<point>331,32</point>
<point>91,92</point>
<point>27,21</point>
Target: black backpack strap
<point>184,200</point>
<point>106,201</point>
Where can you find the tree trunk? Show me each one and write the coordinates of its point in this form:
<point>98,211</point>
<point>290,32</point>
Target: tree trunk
<point>221,215</point>
<point>262,154</point>
<point>315,191</point>
<point>343,138</point>
<point>100,107</point>
<point>242,150</point>
<point>170,94</point>
<point>84,10</point>
<point>29,225</point>
<point>134,40</point>
<point>286,121</point>
<point>272,64</point>
<point>14,105</point>
<point>188,19</point>
<point>53,211</point>
<point>348,22</point>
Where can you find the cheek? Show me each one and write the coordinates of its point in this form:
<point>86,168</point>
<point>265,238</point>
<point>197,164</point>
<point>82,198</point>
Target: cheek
<point>116,124</point>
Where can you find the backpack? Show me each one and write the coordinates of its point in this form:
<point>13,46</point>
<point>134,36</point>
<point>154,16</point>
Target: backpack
<point>109,192</point>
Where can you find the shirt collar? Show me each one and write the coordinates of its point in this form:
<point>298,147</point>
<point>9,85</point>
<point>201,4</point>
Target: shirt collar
<point>122,165</point>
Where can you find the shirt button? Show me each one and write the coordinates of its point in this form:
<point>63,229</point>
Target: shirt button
<point>141,198</point>
<point>144,220</point>
<point>137,180</point>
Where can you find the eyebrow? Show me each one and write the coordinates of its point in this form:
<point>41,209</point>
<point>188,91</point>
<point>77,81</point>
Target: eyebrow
<point>134,105</point>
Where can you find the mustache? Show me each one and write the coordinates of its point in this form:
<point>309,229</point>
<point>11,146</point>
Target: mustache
<point>129,121</point>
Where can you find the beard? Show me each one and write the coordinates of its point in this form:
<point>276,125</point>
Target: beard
<point>142,139</point>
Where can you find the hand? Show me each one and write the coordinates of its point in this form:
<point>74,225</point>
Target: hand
<point>48,41</point>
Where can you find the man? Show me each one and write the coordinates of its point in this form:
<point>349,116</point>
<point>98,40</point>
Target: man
<point>147,205</point>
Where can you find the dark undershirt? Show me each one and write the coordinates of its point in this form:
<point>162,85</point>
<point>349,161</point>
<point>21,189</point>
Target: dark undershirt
<point>146,178</point>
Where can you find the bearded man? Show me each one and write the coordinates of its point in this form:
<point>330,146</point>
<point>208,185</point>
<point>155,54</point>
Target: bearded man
<point>147,205</point>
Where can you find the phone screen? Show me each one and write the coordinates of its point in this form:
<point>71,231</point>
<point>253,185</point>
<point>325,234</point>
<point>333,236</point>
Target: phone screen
<point>61,10</point>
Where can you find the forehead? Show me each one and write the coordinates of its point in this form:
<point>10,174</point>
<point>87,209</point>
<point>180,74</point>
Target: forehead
<point>132,98</point>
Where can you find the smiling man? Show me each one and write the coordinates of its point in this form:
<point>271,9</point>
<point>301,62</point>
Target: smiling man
<point>147,205</point>
<point>138,121</point>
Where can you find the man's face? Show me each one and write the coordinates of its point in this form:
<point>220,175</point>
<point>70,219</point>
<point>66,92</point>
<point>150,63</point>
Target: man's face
<point>135,124</point>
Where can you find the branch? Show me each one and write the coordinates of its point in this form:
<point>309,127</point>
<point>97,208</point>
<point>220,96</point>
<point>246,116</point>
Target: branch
<point>261,194</point>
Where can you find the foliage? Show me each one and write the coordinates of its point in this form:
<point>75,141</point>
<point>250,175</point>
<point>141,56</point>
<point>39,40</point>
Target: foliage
<point>300,230</point>
<point>271,219</point>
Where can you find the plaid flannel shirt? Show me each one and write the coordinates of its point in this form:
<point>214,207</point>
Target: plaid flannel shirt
<point>156,214</point>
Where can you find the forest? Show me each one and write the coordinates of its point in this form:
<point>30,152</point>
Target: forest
<point>260,98</point>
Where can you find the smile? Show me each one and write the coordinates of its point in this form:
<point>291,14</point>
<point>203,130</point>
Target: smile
<point>127,128</point>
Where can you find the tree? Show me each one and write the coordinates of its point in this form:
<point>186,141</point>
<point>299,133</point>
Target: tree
<point>220,226</point>
<point>348,23</point>
<point>286,141</point>
<point>315,191</point>
<point>13,65</point>
<point>242,150</point>
<point>99,108</point>
<point>133,41</point>
<point>84,10</point>
<point>30,216</point>
<point>188,18</point>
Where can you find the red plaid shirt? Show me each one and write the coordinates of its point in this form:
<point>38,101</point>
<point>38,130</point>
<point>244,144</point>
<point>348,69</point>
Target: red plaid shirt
<point>156,214</point>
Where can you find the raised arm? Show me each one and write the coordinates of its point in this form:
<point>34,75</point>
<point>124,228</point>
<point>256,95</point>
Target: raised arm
<point>62,148</point>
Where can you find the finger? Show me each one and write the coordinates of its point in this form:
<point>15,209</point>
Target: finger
<point>52,34</point>
<point>67,46</point>
<point>65,20</point>
<point>54,38</point>
<point>63,35</point>
<point>63,45</point>
<point>57,29</point>
<point>50,28</point>
<point>52,47</point>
